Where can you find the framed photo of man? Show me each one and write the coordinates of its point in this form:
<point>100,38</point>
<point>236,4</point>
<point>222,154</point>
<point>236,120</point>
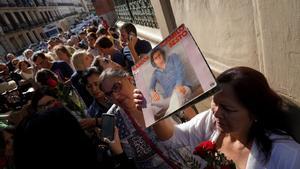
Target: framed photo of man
<point>172,76</point>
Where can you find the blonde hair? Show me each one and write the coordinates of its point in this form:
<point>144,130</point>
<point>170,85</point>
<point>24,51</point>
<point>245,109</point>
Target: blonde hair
<point>63,49</point>
<point>77,59</point>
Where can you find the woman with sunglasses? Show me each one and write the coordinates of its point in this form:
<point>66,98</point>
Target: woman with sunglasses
<point>246,122</point>
<point>138,142</point>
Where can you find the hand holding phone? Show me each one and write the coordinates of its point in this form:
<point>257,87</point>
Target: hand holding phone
<point>131,36</point>
<point>108,126</point>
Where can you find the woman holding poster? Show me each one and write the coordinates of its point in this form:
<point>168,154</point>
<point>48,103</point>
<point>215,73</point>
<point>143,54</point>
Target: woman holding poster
<point>245,123</point>
<point>169,73</point>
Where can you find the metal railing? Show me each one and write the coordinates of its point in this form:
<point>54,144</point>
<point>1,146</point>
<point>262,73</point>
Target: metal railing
<point>138,12</point>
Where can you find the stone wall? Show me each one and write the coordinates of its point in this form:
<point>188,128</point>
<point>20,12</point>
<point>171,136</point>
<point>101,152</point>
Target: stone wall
<point>264,35</point>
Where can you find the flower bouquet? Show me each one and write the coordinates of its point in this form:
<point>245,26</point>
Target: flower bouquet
<point>215,159</point>
<point>68,97</point>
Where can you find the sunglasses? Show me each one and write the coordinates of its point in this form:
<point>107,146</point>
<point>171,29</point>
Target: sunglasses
<point>115,89</point>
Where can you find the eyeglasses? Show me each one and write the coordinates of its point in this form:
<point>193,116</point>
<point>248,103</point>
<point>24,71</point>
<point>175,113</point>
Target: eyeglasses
<point>115,89</point>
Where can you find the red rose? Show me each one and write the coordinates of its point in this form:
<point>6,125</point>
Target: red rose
<point>52,83</point>
<point>225,167</point>
<point>231,165</point>
<point>3,162</point>
<point>204,147</point>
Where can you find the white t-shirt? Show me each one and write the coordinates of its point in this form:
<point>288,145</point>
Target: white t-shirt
<point>285,151</point>
<point>27,76</point>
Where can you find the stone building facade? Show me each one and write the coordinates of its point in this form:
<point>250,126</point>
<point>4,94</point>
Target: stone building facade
<point>22,22</point>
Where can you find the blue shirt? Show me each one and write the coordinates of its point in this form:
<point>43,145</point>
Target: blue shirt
<point>173,75</point>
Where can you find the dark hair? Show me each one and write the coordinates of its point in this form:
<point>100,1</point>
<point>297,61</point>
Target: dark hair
<point>113,29</point>
<point>104,42</point>
<point>8,129</point>
<point>89,72</point>
<point>92,34</point>
<point>23,61</point>
<point>97,64</point>
<point>102,31</point>
<point>43,75</point>
<point>82,32</point>
<point>40,93</point>
<point>129,27</point>
<point>61,132</point>
<point>92,29</point>
<point>157,49</point>
<point>254,93</point>
<point>37,55</point>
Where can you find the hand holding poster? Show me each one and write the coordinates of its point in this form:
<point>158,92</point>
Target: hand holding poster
<point>173,75</point>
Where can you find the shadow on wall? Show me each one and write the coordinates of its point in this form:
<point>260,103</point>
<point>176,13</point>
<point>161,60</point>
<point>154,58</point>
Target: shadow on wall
<point>292,119</point>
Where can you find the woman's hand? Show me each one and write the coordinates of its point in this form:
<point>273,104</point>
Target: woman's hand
<point>87,123</point>
<point>180,89</point>
<point>115,145</point>
<point>164,129</point>
<point>155,96</point>
<point>132,41</point>
<point>139,99</point>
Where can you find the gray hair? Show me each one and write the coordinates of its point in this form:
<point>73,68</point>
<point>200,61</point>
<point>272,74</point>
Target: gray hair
<point>110,73</point>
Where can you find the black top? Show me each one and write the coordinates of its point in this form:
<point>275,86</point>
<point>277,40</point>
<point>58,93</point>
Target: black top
<point>62,69</point>
<point>80,88</point>
<point>142,47</point>
<point>53,139</point>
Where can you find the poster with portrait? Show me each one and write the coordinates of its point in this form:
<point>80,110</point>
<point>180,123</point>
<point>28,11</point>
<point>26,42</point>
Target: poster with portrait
<point>173,76</point>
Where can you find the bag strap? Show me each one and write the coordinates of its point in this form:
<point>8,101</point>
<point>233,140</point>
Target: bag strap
<point>150,142</point>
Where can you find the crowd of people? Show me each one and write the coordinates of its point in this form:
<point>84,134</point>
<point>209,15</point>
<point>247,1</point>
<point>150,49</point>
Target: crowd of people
<point>63,93</point>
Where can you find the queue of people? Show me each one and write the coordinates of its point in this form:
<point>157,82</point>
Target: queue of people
<point>87,75</point>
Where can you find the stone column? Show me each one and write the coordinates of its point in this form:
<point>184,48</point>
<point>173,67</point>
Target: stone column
<point>29,16</point>
<point>32,16</point>
<point>33,37</point>
<point>164,15</point>
<point>6,20</point>
<point>8,46</point>
<point>18,40</point>
<point>28,42</point>
<point>23,18</point>
<point>37,34</point>
<point>15,18</point>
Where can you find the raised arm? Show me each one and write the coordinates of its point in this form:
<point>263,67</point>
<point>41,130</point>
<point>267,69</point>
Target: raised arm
<point>163,129</point>
<point>131,46</point>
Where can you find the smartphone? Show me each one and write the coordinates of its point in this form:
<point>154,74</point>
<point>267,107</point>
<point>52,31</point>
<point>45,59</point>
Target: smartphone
<point>131,34</point>
<point>108,126</point>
